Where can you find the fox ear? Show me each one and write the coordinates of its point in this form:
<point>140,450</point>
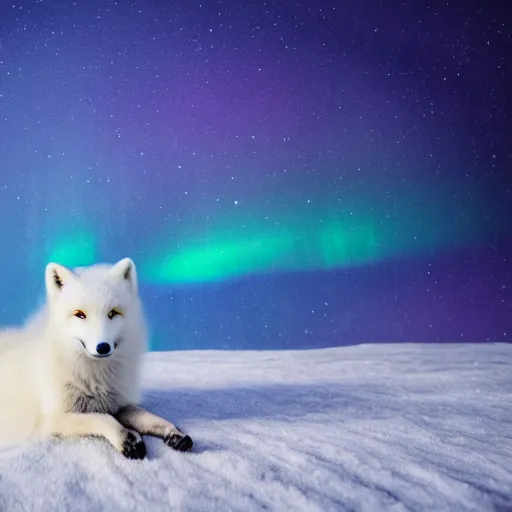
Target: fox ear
<point>125,269</point>
<point>56,277</point>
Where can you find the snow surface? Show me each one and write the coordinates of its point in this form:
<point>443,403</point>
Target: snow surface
<point>370,428</point>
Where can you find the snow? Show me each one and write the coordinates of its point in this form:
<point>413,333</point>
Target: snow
<point>365,428</point>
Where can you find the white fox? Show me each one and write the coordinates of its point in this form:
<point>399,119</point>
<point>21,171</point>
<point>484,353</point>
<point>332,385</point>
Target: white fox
<point>74,370</point>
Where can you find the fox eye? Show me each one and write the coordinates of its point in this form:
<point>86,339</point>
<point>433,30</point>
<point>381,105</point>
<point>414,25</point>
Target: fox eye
<point>80,314</point>
<point>112,313</point>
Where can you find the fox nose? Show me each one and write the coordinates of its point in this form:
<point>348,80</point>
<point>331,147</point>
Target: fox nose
<point>103,348</point>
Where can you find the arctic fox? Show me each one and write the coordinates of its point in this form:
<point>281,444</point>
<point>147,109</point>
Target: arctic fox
<point>74,369</point>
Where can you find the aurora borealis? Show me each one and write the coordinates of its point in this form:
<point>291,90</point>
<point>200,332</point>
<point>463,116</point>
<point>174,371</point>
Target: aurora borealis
<point>316,237</point>
<point>284,175</point>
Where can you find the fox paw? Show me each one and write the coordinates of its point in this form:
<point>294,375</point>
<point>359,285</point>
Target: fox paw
<point>178,441</point>
<point>133,446</point>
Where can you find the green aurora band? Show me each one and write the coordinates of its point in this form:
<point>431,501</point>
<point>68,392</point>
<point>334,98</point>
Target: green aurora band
<point>236,241</point>
<point>318,239</point>
<point>77,247</point>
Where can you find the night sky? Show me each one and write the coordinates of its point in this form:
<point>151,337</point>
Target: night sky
<point>284,174</point>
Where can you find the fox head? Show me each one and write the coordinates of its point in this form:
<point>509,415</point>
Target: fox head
<point>93,309</point>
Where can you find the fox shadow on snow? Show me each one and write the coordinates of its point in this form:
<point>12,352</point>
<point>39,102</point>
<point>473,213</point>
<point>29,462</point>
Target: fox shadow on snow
<point>293,402</point>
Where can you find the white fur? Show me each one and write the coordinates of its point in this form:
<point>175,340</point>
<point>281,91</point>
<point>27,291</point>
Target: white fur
<point>39,361</point>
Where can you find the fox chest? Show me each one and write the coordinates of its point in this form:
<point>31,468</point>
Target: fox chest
<point>83,400</point>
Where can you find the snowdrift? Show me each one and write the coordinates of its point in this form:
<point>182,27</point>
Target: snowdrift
<point>369,428</point>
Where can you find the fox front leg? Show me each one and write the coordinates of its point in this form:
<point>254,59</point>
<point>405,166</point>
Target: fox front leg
<point>128,442</point>
<point>147,423</point>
